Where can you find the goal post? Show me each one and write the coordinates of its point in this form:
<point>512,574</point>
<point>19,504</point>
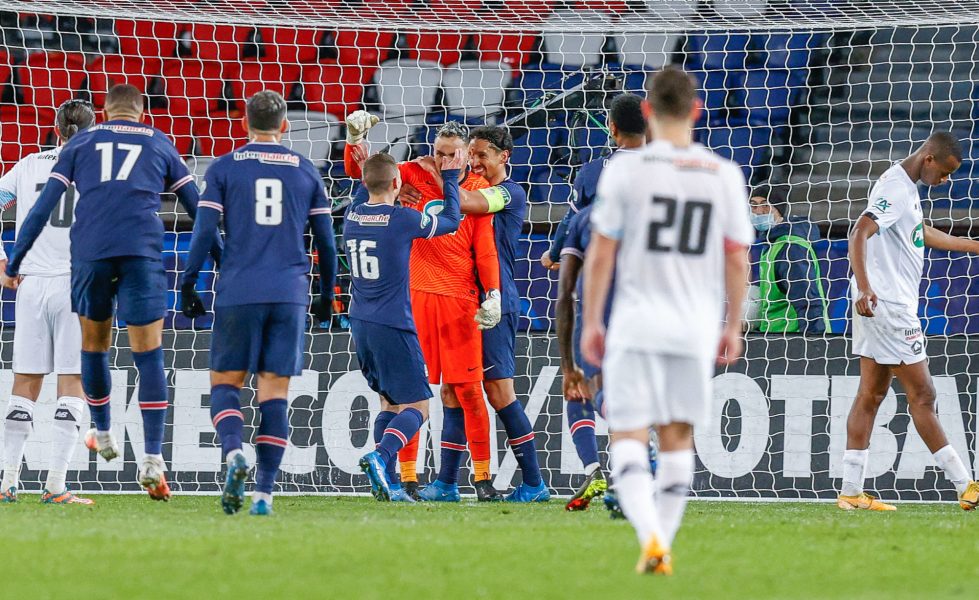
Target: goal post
<point>814,98</point>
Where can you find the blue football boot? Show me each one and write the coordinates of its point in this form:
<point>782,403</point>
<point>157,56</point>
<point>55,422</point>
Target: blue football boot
<point>612,505</point>
<point>260,508</point>
<point>526,493</point>
<point>233,497</point>
<point>399,494</point>
<point>373,466</point>
<point>439,492</point>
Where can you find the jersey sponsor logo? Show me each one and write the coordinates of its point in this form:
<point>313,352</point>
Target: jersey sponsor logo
<point>269,158</point>
<point>918,236</point>
<point>882,205</point>
<point>370,220</point>
<point>125,129</point>
<point>696,164</point>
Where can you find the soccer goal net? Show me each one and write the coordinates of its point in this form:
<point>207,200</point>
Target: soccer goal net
<point>813,98</point>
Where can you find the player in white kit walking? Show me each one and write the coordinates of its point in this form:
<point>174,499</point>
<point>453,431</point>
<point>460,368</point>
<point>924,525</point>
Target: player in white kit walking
<point>47,335</point>
<point>672,218</point>
<point>887,254</point>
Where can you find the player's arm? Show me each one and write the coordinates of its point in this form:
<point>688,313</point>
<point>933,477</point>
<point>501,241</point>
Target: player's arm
<point>735,285</point>
<point>939,240</point>
<point>181,184</point>
<point>574,384</point>
<point>355,152</point>
<point>488,269</point>
<point>206,234</point>
<point>552,257</point>
<point>599,264</point>
<point>865,227</point>
<point>8,199</point>
<point>321,226</point>
<point>34,224</point>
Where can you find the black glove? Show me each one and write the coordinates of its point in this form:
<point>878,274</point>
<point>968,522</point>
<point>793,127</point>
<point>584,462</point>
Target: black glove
<point>322,309</point>
<point>190,302</point>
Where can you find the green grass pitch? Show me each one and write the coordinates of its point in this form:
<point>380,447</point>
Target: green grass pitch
<point>314,547</point>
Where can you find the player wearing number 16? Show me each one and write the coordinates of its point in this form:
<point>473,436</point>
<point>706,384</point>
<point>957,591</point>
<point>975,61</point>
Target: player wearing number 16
<point>119,169</point>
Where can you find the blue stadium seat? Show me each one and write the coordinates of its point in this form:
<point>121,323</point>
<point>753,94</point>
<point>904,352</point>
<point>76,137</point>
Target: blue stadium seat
<point>785,50</point>
<point>717,51</point>
<point>552,186</point>
<point>749,146</point>
<point>722,95</point>
<point>532,152</point>
<point>535,80</point>
<point>769,96</point>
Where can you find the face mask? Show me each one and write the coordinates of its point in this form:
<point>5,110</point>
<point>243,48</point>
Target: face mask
<point>763,222</point>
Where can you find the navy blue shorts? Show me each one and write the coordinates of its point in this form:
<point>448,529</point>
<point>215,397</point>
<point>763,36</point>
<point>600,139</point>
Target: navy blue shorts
<point>391,361</point>
<point>136,283</point>
<point>259,338</point>
<point>499,349</point>
<point>587,368</point>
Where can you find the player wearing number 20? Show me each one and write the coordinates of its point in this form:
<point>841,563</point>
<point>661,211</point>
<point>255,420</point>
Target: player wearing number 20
<point>119,169</point>
<point>266,193</point>
<point>378,237</point>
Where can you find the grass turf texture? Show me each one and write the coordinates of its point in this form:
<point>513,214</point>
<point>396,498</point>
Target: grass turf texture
<point>313,547</point>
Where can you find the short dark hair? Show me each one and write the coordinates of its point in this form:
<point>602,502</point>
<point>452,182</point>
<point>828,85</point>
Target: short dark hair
<point>265,111</point>
<point>74,116</point>
<point>671,93</point>
<point>498,137</point>
<point>943,144</point>
<point>774,196</point>
<point>626,114</point>
<point>378,173</point>
<point>454,129</point>
<point>124,99</point>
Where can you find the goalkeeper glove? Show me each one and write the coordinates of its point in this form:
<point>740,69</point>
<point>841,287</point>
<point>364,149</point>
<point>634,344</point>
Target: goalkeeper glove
<point>358,122</point>
<point>490,312</point>
<point>190,302</point>
<point>322,309</point>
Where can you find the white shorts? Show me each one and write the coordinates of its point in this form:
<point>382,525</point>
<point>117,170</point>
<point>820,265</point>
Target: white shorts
<point>649,388</point>
<point>47,335</point>
<point>892,336</point>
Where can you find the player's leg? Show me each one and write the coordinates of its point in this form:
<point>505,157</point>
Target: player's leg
<point>875,380</point>
<point>407,421</point>
<point>917,383</point>
<point>445,488</point>
<point>17,428</point>
<point>424,310</point>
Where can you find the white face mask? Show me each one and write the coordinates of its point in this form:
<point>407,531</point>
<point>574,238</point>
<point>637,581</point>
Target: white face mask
<point>763,222</point>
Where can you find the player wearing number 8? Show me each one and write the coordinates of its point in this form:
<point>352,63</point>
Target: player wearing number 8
<point>119,168</point>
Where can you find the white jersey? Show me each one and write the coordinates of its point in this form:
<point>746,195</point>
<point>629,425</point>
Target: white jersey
<point>896,255</point>
<point>51,253</point>
<point>673,210</point>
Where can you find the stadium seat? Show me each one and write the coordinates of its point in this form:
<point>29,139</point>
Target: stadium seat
<point>23,130</point>
<point>291,46</point>
<point>522,10</point>
<point>510,48</point>
<point>785,50</point>
<point>532,152</point>
<point>474,90</point>
<point>719,90</point>
<point>198,167</point>
<point>717,51</point>
<point>363,49</point>
<point>768,96</point>
<point>536,81</point>
<point>47,79</point>
<point>571,49</point>
<point>332,89</point>
<point>179,129</point>
<point>312,134</point>
<point>677,9</point>
<point>443,47</point>
<point>740,9</point>
<point>148,39</point>
<point>111,69</point>
<point>218,134</point>
<point>253,77</point>
<point>192,87</point>
<point>407,89</point>
<point>651,50</point>
<point>393,137</point>
<point>210,41</point>
<point>5,68</point>
<point>749,146</point>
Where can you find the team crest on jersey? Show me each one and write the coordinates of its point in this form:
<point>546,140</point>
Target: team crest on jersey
<point>269,158</point>
<point>882,205</point>
<point>918,236</point>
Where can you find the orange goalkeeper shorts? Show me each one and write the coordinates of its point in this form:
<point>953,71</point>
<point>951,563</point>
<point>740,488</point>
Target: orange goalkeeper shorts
<point>451,342</point>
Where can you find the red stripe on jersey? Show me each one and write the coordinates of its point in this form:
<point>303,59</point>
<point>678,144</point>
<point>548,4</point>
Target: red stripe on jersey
<point>733,246</point>
<point>209,204</point>
<point>60,178</point>
<point>181,183</point>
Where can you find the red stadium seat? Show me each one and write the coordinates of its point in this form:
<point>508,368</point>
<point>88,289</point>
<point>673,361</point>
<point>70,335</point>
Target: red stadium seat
<point>365,49</point>
<point>5,69</point>
<point>510,48</point>
<point>23,130</point>
<point>218,134</point>
<point>217,42</point>
<point>253,77</point>
<point>49,78</point>
<point>178,128</point>
<point>332,89</point>
<point>148,39</point>
<point>444,47</point>
<point>291,46</point>
<point>525,10</point>
<point>109,70</point>
<point>192,87</point>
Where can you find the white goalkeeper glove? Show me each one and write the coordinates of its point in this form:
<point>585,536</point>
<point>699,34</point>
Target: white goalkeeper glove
<point>358,122</point>
<point>490,312</point>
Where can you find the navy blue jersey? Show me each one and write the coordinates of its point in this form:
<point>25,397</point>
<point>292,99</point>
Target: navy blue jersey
<point>507,225</point>
<point>576,243</point>
<point>119,169</point>
<point>266,193</point>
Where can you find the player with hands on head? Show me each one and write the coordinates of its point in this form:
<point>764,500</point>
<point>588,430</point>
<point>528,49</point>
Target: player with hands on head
<point>887,254</point>
<point>119,169</point>
<point>378,237</point>
<point>266,194</point>
<point>672,220</point>
<point>47,336</point>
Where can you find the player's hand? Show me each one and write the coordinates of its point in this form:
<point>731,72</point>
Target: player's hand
<point>574,385</point>
<point>428,164</point>
<point>359,154</point>
<point>549,264</point>
<point>454,162</point>
<point>409,194</point>
<point>322,309</point>
<point>191,304</point>
<point>866,302</point>
<point>731,345</point>
<point>490,311</point>
<point>593,343</point>
<point>358,122</point>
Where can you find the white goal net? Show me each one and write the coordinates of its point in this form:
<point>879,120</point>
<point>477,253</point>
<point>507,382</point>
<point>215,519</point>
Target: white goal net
<point>813,98</point>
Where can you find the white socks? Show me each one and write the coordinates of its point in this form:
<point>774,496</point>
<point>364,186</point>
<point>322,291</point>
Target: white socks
<point>674,474</point>
<point>256,496</point>
<point>17,428</point>
<point>589,469</point>
<point>64,438</point>
<point>634,487</point>
<point>950,461</point>
<point>854,467</point>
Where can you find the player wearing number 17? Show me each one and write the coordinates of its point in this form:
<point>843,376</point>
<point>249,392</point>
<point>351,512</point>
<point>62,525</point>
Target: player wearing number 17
<point>266,193</point>
<point>119,169</point>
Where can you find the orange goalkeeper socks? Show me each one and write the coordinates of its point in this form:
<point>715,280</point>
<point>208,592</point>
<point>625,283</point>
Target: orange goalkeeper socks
<point>470,396</point>
<point>407,457</point>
